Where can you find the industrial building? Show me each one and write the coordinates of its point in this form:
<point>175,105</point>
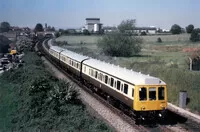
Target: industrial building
<point>93,25</point>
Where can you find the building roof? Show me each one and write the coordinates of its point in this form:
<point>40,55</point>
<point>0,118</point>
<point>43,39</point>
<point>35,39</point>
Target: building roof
<point>130,76</point>
<point>144,28</point>
<point>94,23</point>
<point>92,19</point>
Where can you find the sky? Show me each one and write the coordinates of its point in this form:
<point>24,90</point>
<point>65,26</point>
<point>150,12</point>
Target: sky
<point>72,13</point>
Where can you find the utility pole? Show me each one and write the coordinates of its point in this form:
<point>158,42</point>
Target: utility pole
<point>190,63</point>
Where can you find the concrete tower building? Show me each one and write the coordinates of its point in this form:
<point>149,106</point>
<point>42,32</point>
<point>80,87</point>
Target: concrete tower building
<point>93,24</point>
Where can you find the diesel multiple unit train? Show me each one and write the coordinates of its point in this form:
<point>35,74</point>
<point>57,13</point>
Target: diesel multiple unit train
<point>145,96</point>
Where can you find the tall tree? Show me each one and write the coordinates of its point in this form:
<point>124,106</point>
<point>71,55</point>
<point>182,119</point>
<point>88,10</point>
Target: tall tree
<point>4,44</point>
<point>189,28</point>
<point>175,29</point>
<point>126,25</point>
<point>39,28</point>
<point>4,27</point>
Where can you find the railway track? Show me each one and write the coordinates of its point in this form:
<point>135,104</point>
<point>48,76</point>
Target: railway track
<point>166,126</point>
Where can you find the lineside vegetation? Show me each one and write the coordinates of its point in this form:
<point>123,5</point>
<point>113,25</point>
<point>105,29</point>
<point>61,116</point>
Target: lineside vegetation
<point>33,99</point>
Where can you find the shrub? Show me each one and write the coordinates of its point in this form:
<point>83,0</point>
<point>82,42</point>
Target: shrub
<point>189,28</point>
<point>57,34</point>
<point>175,29</point>
<point>118,44</point>
<point>159,40</point>
<point>195,35</point>
<point>143,33</point>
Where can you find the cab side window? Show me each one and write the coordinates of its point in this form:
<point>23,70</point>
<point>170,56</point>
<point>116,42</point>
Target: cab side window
<point>161,93</point>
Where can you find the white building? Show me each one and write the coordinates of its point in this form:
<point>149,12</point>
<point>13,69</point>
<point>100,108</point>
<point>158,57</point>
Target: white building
<point>93,24</point>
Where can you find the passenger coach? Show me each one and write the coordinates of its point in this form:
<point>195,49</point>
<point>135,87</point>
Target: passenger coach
<point>145,95</point>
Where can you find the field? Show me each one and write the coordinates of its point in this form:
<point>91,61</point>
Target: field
<point>165,60</point>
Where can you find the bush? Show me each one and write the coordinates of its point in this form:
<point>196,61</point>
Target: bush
<point>189,28</point>
<point>57,34</point>
<point>159,40</point>
<point>86,32</point>
<point>143,33</point>
<point>175,29</point>
<point>195,35</point>
<point>118,44</point>
<point>4,44</point>
<point>38,101</point>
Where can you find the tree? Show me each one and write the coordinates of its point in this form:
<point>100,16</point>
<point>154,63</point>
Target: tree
<point>49,28</point>
<point>39,28</point>
<point>175,29</point>
<point>189,28</point>
<point>86,32</point>
<point>57,34</point>
<point>4,27</point>
<point>143,33</point>
<point>126,25</point>
<point>195,35</point>
<point>4,44</point>
<point>118,44</point>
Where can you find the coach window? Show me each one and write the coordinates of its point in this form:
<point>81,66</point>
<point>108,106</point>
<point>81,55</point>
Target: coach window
<point>132,92</point>
<point>111,82</point>
<point>106,79</point>
<point>152,93</point>
<point>96,74</point>
<point>161,91</point>
<point>122,87</point>
<point>77,65</point>
<point>125,88</point>
<point>84,68</point>
<point>115,84</point>
<point>118,85</point>
<point>143,93</point>
<point>100,76</point>
<point>90,72</point>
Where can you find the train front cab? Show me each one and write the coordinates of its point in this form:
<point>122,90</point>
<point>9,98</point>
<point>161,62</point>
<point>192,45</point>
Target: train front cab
<point>150,101</point>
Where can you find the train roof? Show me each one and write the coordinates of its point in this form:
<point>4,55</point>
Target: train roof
<point>74,55</point>
<point>57,49</point>
<point>130,76</point>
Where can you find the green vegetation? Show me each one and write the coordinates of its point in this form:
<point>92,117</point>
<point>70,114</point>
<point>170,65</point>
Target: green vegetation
<point>4,27</point>
<point>4,44</point>
<point>32,99</point>
<point>175,29</point>
<point>118,44</point>
<point>195,35</point>
<point>126,25</point>
<point>39,28</point>
<point>189,28</point>
<point>166,60</point>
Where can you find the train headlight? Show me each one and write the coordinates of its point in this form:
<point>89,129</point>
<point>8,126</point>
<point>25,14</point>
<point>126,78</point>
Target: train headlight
<point>162,107</point>
<point>143,108</point>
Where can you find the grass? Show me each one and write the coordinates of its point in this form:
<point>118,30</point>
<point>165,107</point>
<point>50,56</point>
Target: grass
<point>165,60</point>
<point>33,100</point>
